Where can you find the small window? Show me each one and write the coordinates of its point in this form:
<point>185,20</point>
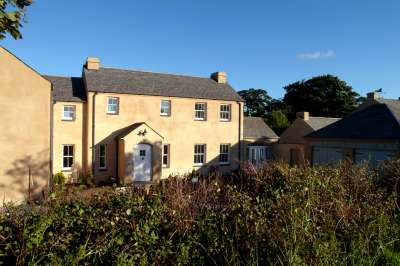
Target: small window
<point>224,150</point>
<point>113,105</point>
<point>142,153</point>
<point>102,156</point>
<point>165,158</point>
<point>165,109</point>
<point>200,111</point>
<point>199,154</point>
<point>68,112</point>
<point>225,112</point>
<point>68,157</point>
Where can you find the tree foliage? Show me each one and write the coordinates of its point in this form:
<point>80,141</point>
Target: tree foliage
<point>12,13</point>
<point>257,102</point>
<point>322,96</point>
<point>278,121</point>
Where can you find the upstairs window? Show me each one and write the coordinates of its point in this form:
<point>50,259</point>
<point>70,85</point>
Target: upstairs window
<point>113,105</point>
<point>199,154</point>
<point>225,112</point>
<point>165,108</point>
<point>68,157</point>
<point>68,112</point>
<point>200,111</point>
<point>102,156</point>
<point>224,150</point>
<point>165,158</point>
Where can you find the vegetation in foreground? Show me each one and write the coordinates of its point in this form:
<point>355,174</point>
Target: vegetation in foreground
<point>275,215</point>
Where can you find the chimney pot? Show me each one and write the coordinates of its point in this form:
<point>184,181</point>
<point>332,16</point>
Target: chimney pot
<point>219,77</point>
<point>303,115</point>
<point>373,95</point>
<point>93,63</point>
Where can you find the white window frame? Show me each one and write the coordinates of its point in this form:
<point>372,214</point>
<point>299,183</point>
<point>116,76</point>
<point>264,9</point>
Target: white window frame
<point>116,104</point>
<point>201,154</point>
<point>103,167</point>
<point>198,111</point>
<point>223,152</point>
<point>225,112</point>
<point>68,156</point>
<point>162,111</point>
<point>71,111</point>
<point>167,155</point>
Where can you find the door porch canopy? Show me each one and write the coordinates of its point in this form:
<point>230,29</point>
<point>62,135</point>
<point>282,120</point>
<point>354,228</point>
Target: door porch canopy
<point>138,133</point>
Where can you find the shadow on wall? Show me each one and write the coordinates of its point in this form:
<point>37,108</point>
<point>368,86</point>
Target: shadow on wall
<point>28,178</point>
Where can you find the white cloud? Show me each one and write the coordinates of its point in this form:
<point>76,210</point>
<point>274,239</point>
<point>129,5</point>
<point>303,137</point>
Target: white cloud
<point>316,55</point>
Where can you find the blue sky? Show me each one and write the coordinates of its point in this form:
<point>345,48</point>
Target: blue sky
<point>260,44</point>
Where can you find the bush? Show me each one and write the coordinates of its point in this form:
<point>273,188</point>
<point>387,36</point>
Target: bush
<point>274,214</point>
<point>59,180</point>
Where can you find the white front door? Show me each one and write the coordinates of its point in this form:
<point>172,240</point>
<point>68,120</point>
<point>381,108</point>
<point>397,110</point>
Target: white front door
<point>142,162</point>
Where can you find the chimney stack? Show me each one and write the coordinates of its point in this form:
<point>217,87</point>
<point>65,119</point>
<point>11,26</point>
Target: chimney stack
<point>92,63</point>
<point>219,77</point>
<point>303,115</point>
<point>373,95</point>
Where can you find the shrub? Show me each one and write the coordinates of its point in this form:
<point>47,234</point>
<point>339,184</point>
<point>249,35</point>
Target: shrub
<point>59,180</point>
<point>273,214</point>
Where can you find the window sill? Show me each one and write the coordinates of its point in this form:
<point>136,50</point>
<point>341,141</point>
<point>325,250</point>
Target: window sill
<point>222,120</point>
<point>110,113</point>
<point>68,120</point>
<point>198,165</point>
<point>102,169</point>
<point>164,114</point>
<point>199,119</point>
<point>66,170</point>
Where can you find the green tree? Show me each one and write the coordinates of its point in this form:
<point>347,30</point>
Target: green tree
<point>278,121</point>
<point>257,102</point>
<point>12,14</point>
<point>325,95</point>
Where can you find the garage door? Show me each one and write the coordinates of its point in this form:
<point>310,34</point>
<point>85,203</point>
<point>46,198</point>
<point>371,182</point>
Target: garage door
<point>326,155</point>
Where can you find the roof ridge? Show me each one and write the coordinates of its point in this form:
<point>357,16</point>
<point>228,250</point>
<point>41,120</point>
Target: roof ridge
<point>57,76</point>
<point>325,117</point>
<point>151,72</point>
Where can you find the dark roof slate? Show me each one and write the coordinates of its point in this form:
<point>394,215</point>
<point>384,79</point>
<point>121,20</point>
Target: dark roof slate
<point>67,89</point>
<point>375,122</point>
<point>317,123</point>
<point>255,127</point>
<point>146,83</point>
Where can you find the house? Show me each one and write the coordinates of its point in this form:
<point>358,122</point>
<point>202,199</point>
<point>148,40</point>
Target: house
<point>292,147</point>
<point>370,134</point>
<point>258,139</point>
<point>25,102</point>
<point>121,125</point>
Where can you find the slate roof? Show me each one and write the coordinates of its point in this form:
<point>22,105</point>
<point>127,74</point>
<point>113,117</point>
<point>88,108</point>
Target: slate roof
<point>255,127</point>
<point>67,89</point>
<point>317,123</point>
<point>146,83</point>
<point>378,121</point>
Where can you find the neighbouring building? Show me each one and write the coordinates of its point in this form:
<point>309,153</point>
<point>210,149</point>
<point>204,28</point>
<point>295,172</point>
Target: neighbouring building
<point>370,134</point>
<point>292,147</point>
<point>25,142</point>
<point>121,125</point>
<point>258,139</point>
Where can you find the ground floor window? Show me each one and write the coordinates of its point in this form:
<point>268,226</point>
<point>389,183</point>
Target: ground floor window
<point>224,150</point>
<point>257,154</point>
<point>165,156</point>
<point>68,157</point>
<point>199,154</point>
<point>102,156</point>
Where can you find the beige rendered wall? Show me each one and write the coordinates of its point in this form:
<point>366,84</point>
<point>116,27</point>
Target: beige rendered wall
<point>25,99</point>
<point>69,133</point>
<point>180,130</point>
<point>296,132</point>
